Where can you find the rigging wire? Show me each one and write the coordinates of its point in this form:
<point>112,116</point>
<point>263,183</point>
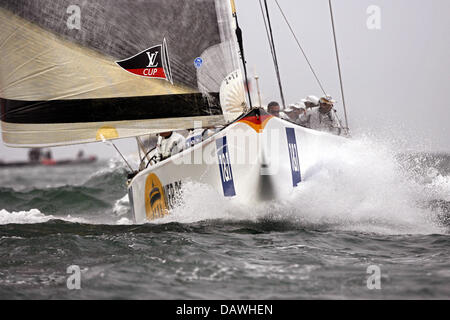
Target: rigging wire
<point>267,30</point>
<point>269,33</point>
<point>301,48</point>
<point>338,64</point>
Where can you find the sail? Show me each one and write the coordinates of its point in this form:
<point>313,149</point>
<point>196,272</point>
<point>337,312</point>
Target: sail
<point>112,69</point>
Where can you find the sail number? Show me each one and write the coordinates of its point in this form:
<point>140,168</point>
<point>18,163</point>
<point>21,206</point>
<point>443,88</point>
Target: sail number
<point>224,163</point>
<point>226,174</point>
<point>294,156</point>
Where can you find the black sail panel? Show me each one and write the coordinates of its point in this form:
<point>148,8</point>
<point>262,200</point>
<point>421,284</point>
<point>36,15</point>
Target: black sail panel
<point>109,109</point>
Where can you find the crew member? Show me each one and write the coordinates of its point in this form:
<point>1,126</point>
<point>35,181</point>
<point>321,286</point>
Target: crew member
<point>289,113</point>
<point>310,102</point>
<point>274,109</point>
<point>169,143</point>
<point>296,113</point>
<point>302,118</point>
<point>323,117</point>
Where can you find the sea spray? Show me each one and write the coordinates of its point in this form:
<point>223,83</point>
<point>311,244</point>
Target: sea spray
<point>361,186</point>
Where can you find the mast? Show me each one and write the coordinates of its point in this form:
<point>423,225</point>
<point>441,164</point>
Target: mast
<point>339,65</point>
<point>241,49</point>
<point>268,26</point>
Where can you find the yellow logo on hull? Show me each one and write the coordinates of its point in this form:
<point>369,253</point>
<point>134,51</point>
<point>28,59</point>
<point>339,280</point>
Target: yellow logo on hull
<point>155,203</point>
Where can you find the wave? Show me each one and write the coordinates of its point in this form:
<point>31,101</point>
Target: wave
<point>93,199</point>
<point>68,199</point>
<point>363,186</point>
<point>96,192</point>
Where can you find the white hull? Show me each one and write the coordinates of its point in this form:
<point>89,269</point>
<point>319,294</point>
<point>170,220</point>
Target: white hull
<point>264,158</point>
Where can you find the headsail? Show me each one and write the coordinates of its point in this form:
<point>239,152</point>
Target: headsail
<point>131,68</point>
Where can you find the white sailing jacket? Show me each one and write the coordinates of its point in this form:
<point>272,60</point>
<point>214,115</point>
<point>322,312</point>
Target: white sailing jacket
<point>169,146</point>
<point>323,122</point>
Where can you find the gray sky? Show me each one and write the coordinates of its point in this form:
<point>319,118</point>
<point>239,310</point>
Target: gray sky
<point>396,79</point>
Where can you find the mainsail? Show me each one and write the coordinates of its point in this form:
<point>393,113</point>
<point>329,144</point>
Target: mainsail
<point>125,68</point>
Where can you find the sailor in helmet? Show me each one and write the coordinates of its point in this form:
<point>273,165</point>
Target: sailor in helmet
<point>323,117</point>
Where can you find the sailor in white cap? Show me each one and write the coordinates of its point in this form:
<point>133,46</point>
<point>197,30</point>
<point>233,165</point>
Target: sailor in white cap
<point>295,112</point>
<point>323,117</point>
<point>288,113</point>
<point>311,102</point>
<point>302,117</point>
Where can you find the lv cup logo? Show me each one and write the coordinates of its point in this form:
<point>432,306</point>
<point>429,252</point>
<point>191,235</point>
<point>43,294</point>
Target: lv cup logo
<point>150,63</point>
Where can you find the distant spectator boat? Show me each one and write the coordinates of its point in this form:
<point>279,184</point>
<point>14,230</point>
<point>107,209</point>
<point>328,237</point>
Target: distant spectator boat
<point>49,162</point>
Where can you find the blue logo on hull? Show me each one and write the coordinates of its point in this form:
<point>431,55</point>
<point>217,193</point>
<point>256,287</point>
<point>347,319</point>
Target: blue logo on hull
<point>293,155</point>
<point>226,174</point>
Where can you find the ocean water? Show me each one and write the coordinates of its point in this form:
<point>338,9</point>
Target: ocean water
<point>370,224</point>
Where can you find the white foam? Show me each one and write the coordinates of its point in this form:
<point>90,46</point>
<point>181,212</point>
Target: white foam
<point>124,221</point>
<point>359,187</point>
<point>122,206</point>
<point>202,202</point>
<point>441,186</point>
<point>31,216</point>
